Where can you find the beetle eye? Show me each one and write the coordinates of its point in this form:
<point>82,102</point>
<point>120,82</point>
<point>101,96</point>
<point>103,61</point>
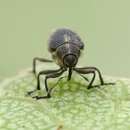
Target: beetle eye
<point>70,60</point>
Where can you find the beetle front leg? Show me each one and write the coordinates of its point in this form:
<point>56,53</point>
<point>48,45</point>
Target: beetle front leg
<point>44,72</point>
<point>86,70</point>
<point>99,74</point>
<point>52,75</point>
<point>41,60</point>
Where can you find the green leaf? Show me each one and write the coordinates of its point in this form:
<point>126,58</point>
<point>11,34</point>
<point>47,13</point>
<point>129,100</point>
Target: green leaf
<point>71,107</point>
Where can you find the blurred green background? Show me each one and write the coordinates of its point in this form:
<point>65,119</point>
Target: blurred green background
<point>104,26</point>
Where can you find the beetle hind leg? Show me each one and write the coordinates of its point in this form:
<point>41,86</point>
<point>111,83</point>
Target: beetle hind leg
<point>41,60</point>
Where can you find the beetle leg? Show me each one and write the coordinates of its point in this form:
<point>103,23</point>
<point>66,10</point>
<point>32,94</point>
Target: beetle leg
<point>100,76</point>
<point>84,77</point>
<point>39,59</point>
<point>51,75</point>
<point>86,70</point>
<point>57,82</point>
<point>44,72</point>
<point>94,75</point>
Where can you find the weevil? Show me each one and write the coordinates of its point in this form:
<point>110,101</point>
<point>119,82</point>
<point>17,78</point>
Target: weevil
<point>65,47</point>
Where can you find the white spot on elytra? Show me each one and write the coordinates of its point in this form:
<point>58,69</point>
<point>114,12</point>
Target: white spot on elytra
<point>66,38</point>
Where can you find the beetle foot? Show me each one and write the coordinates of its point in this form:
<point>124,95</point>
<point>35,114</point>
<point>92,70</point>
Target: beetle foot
<point>89,86</point>
<point>42,97</point>
<point>108,84</point>
<point>30,92</point>
<point>94,86</point>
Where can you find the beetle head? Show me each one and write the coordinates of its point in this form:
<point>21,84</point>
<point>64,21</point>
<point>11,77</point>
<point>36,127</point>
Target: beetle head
<point>70,60</point>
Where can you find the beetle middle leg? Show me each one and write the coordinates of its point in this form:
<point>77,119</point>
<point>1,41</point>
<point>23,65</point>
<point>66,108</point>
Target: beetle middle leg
<point>51,75</point>
<point>87,70</point>
<point>39,59</point>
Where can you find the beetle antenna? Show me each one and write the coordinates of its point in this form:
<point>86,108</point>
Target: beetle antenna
<point>70,73</point>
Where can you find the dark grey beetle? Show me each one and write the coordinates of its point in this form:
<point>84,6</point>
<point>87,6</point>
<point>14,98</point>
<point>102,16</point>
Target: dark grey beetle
<point>65,47</point>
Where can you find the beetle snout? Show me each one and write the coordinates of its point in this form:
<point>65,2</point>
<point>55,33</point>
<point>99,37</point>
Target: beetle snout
<point>70,60</point>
